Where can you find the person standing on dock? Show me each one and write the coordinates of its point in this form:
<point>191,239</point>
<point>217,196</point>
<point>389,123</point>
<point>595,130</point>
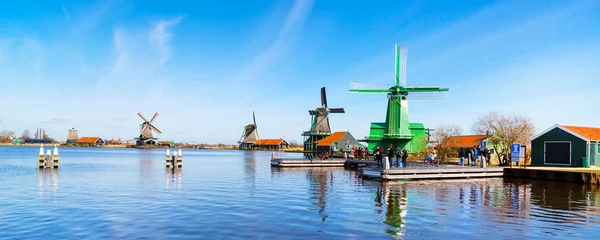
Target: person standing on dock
<point>461,154</point>
<point>404,157</point>
<point>390,155</point>
<point>378,158</point>
<point>475,156</point>
<point>398,155</point>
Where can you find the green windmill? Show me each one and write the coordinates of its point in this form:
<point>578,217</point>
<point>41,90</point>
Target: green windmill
<point>396,129</point>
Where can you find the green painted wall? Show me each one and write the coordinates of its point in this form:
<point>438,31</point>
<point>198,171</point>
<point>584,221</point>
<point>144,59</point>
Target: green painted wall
<point>419,141</point>
<point>578,147</point>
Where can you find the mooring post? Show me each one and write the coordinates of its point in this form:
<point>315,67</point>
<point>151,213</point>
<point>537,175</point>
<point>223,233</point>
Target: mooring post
<point>179,159</point>
<point>272,155</point>
<point>41,163</point>
<point>386,164</point>
<point>55,158</point>
<point>168,158</point>
<point>48,159</point>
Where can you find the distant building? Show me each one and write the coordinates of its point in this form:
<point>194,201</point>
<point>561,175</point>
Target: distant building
<point>72,137</point>
<point>337,141</point>
<point>34,141</point>
<point>271,144</point>
<point>166,143</point>
<point>467,142</point>
<point>566,146</point>
<point>90,142</point>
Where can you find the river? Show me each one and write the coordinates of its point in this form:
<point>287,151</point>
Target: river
<point>100,193</point>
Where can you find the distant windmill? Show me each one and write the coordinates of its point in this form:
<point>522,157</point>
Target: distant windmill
<point>250,135</point>
<point>319,127</point>
<point>146,129</point>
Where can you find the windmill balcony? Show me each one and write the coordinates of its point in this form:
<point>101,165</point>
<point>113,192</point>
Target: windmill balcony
<point>398,136</point>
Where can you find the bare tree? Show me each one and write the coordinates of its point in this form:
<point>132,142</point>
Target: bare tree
<point>443,136</point>
<point>26,134</point>
<point>6,136</point>
<point>504,130</point>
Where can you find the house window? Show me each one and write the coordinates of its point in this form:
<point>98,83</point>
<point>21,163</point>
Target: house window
<point>598,146</point>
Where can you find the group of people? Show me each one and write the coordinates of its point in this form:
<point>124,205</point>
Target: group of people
<point>473,154</point>
<point>359,153</point>
<point>378,156</point>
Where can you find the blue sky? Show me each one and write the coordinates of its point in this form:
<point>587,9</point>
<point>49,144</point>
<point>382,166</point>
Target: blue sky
<point>206,65</point>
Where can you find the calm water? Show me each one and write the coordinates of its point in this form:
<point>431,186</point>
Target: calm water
<point>128,194</point>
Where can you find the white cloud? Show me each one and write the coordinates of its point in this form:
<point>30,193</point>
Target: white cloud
<point>56,120</point>
<point>160,37</point>
<point>293,23</point>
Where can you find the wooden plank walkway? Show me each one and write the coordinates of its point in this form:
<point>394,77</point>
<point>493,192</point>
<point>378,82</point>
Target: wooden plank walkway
<point>302,162</point>
<point>433,172</point>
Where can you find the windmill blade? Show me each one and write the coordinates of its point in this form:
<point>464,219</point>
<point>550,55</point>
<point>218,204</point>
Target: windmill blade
<point>142,116</point>
<point>154,117</point>
<point>337,110</point>
<point>323,97</point>
<point>368,88</point>
<point>254,118</point>
<point>155,129</point>
<point>401,58</point>
<point>426,95</point>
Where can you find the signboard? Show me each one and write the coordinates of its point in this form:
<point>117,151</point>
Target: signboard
<point>482,145</point>
<point>515,152</point>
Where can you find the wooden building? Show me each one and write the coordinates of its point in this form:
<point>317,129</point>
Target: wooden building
<point>566,146</point>
<point>166,143</point>
<point>467,142</point>
<point>271,144</point>
<point>90,142</point>
<point>337,141</point>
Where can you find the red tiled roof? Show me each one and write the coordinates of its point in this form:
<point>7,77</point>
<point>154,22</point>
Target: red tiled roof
<point>333,138</point>
<point>269,142</point>
<point>88,140</point>
<point>465,141</point>
<point>590,133</point>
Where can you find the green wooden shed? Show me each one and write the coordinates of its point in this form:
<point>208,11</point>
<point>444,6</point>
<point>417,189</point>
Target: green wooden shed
<point>16,141</point>
<point>566,146</point>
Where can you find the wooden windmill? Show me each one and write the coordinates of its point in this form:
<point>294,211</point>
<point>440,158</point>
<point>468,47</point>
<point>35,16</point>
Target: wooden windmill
<point>146,129</point>
<point>319,127</point>
<point>396,129</point>
<point>250,135</point>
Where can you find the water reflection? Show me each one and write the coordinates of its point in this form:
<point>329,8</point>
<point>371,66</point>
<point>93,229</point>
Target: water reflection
<point>47,181</point>
<point>146,168</point>
<point>173,178</point>
<point>395,200</point>
<point>250,169</point>
<point>319,179</point>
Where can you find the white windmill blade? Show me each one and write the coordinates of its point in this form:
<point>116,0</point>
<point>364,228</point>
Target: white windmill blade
<point>403,59</point>
<point>154,117</point>
<point>354,86</point>
<point>155,129</point>
<point>427,95</point>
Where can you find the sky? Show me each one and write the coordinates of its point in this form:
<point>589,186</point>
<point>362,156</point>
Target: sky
<point>205,66</point>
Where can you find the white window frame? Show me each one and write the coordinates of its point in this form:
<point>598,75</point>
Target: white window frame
<point>570,153</point>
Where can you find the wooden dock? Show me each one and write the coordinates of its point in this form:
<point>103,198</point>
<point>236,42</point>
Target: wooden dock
<point>580,175</point>
<point>433,172</point>
<point>359,163</point>
<point>302,162</point>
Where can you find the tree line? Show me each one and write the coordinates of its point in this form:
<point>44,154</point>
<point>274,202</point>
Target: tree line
<point>7,136</point>
<point>501,131</point>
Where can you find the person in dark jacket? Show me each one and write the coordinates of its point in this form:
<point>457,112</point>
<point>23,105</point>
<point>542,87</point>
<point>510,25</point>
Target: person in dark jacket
<point>390,155</point>
<point>378,157</point>
<point>398,155</point>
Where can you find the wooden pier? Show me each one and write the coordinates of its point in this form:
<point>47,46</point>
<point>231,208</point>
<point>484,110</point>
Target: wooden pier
<point>433,172</point>
<point>569,174</point>
<point>302,162</point>
<point>359,163</point>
